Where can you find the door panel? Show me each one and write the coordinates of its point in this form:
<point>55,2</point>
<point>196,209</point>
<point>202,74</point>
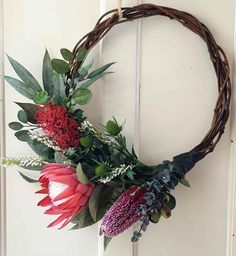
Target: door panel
<point>176,69</point>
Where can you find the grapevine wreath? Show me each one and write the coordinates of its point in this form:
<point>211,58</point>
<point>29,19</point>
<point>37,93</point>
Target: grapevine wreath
<point>87,173</point>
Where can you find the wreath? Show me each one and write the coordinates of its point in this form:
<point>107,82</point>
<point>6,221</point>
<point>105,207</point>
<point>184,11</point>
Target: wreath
<point>87,173</point>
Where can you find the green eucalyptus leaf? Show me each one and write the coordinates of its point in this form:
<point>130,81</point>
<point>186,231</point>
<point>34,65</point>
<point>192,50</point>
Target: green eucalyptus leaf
<point>83,219</point>
<point>60,66</point>
<point>58,100</point>
<point>23,88</point>
<point>134,153</point>
<point>42,150</point>
<point>60,158</point>
<point>48,74</point>
<point>59,86</point>
<point>30,109</point>
<point>41,97</point>
<point>81,54</point>
<point>28,179</point>
<point>184,182</point>
<point>16,126</point>
<point>22,116</point>
<point>75,227</point>
<point>25,75</point>
<point>83,71</point>
<point>81,96</point>
<point>94,201</point>
<point>33,167</point>
<point>130,174</point>
<point>100,70</point>
<point>22,135</point>
<point>89,82</point>
<point>107,197</point>
<point>66,54</point>
<point>81,175</point>
<point>106,241</point>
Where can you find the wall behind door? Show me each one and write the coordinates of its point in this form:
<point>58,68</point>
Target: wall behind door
<point>164,87</point>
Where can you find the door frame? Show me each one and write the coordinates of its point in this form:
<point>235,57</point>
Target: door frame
<point>2,139</point>
<point>231,199</point>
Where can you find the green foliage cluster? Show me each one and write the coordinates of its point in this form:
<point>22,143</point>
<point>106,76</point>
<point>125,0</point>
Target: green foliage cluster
<point>101,153</point>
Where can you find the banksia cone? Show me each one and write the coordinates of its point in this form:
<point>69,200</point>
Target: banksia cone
<point>124,212</point>
<point>59,125</point>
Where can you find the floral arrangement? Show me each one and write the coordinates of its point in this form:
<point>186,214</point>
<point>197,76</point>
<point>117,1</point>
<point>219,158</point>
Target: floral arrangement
<point>87,173</point>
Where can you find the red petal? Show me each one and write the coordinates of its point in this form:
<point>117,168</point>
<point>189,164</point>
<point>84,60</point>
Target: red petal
<point>45,202</point>
<point>42,191</point>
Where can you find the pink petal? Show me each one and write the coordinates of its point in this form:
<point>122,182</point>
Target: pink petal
<point>62,171</point>
<point>82,188</point>
<point>70,203</point>
<point>66,193</point>
<point>53,167</point>
<point>89,192</point>
<point>65,179</point>
<point>75,211</point>
<point>58,220</point>
<point>53,211</point>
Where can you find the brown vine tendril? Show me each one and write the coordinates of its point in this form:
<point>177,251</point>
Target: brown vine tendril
<point>217,56</point>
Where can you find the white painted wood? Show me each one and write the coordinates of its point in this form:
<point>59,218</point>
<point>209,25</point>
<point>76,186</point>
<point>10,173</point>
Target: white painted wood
<point>179,83</point>
<point>30,26</point>
<point>164,123</point>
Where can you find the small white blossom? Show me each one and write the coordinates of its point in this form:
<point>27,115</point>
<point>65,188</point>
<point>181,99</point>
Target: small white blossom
<point>116,172</point>
<point>39,135</point>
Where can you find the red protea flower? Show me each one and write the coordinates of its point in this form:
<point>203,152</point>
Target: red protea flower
<point>66,196</point>
<point>124,212</point>
<point>59,125</point>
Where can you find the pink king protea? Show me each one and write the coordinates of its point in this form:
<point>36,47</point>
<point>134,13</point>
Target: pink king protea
<point>124,212</point>
<point>66,196</point>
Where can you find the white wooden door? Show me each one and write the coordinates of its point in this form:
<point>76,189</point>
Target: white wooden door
<point>164,87</point>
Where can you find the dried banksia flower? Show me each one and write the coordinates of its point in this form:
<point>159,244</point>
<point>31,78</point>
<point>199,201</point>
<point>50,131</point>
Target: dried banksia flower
<point>124,212</point>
